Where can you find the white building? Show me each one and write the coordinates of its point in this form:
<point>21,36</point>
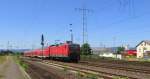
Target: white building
<point>106,52</point>
<point>143,49</point>
<point>110,54</point>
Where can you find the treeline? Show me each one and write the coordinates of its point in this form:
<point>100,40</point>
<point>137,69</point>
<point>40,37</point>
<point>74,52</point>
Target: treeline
<point>9,52</point>
<point>86,49</point>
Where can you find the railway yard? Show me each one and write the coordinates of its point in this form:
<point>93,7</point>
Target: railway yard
<point>65,61</point>
<point>50,69</point>
<point>75,39</point>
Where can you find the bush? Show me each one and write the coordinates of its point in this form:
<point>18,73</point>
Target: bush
<point>86,49</point>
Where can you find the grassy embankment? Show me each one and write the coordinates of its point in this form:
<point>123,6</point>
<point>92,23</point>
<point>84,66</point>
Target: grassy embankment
<point>20,62</point>
<point>2,60</point>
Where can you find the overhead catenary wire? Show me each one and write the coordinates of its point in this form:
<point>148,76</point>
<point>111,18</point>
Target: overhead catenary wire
<point>84,12</point>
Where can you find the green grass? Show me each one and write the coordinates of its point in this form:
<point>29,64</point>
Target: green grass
<point>144,60</point>
<point>2,59</point>
<point>1,76</point>
<point>120,78</point>
<point>81,75</point>
<point>92,76</point>
<point>21,63</point>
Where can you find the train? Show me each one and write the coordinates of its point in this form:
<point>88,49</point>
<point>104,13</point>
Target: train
<point>65,51</point>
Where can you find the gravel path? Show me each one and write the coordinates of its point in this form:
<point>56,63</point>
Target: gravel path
<point>10,70</point>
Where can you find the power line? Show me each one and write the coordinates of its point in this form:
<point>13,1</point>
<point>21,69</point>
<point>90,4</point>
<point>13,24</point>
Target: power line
<point>127,4</point>
<point>84,12</point>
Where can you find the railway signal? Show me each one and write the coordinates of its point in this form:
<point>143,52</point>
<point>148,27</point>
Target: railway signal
<point>42,43</point>
<point>71,33</point>
<point>42,40</point>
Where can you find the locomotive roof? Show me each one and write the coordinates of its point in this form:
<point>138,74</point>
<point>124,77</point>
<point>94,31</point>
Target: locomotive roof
<point>39,49</point>
<point>65,44</point>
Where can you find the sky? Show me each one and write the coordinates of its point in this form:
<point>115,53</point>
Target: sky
<point>109,22</point>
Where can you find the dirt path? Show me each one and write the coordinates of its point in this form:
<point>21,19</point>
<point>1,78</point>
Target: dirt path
<point>10,70</point>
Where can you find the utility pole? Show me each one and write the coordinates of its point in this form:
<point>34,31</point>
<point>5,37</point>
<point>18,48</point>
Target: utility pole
<point>84,12</point>
<point>42,43</point>
<point>114,44</point>
<point>33,46</point>
<point>71,33</point>
<point>127,4</point>
<point>114,41</point>
<point>9,46</point>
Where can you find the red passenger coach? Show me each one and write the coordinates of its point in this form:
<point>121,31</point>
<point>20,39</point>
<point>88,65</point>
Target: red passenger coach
<point>37,52</point>
<point>66,51</point>
<point>27,53</point>
<point>46,52</point>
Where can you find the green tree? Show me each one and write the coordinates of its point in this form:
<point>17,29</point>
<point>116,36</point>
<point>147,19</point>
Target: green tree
<point>6,52</point>
<point>120,50</point>
<point>86,49</point>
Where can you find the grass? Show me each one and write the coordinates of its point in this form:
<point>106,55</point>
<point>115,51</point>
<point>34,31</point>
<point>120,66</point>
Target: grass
<point>144,60</point>
<point>120,78</point>
<point>81,75</point>
<point>92,76</point>
<point>2,59</point>
<point>20,62</point>
<point>127,59</point>
<point>1,76</point>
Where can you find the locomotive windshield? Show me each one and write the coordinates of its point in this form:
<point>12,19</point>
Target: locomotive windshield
<point>74,47</point>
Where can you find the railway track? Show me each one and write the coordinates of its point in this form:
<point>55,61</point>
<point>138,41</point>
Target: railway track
<point>39,72</point>
<point>117,66</point>
<point>70,68</point>
<point>130,73</point>
<point>87,70</point>
<point>77,69</point>
<point>105,71</point>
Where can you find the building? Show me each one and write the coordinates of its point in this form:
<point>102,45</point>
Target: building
<point>106,52</point>
<point>143,49</point>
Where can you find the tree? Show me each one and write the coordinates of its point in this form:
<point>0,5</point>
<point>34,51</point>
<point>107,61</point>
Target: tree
<point>86,49</point>
<point>120,50</point>
<point>6,52</point>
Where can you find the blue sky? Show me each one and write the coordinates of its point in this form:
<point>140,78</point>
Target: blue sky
<point>23,21</point>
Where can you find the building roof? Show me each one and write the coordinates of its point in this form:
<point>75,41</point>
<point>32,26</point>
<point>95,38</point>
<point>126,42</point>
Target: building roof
<point>146,41</point>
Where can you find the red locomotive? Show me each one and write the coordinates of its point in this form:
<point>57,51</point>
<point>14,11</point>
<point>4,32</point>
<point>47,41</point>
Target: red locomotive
<point>66,51</point>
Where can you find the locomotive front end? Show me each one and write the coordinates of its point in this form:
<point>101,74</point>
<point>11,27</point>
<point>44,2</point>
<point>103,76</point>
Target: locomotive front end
<point>74,50</point>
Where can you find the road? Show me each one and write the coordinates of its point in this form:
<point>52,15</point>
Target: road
<point>10,70</point>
